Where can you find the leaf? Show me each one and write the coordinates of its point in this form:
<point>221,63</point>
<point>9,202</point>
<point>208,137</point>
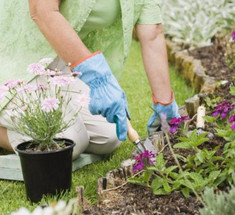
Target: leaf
<point>214,175</point>
<point>160,162</point>
<point>136,180</point>
<point>210,118</point>
<point>185,192</point>
<point>166,186</point>
<point>170,169</point>
<point>200,156</point>
<point>183,145</point>
<point>157,183</point>
<point>232,91</point>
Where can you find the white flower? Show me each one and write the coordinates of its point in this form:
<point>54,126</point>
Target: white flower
<point>21,211</point>
<point>38,211</point>
<point>60,206</point>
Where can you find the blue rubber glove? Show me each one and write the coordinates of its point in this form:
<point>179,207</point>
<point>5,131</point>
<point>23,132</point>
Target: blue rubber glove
<point>107,97</point>
<point>171,111</point>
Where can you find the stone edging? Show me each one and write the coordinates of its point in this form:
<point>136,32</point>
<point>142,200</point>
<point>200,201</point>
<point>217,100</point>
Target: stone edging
<point>193,72</point>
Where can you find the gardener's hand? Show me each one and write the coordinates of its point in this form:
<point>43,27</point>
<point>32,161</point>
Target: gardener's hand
<point>170,109</point>
<point>107,98</point>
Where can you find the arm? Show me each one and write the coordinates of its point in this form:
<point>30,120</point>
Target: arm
<point>57,30</point>
<point>155,60</point>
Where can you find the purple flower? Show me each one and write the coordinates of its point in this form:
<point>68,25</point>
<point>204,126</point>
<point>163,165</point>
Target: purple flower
<point>233,35</point>
<point>144,159</point>
<point>232,121</point>
<point>223,109</point>
<point>175,122</point>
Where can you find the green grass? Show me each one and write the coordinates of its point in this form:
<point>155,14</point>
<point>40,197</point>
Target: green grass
<point>134,82</point>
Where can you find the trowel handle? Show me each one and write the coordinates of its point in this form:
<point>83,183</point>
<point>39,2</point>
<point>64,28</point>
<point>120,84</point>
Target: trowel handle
<point>132,133</point>
<point>201,112</point>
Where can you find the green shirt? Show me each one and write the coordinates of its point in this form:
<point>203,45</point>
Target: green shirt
<point>102,25</point>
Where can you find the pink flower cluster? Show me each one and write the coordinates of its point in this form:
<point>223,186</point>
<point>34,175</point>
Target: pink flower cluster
<point>143,160</point>
<point>50,104</point>
<point>176,122</point>
<point>61,80</point>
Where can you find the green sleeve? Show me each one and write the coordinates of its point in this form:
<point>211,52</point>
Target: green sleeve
<point>151,13</point>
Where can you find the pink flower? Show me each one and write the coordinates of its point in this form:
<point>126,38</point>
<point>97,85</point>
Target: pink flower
<point>36,69</point>
<point>45,61</point>
<point>83,100</point>
<point>27,88</point>
<point>11,84</point>
<point>61,80</point>
<point>3,92</point>
<point>42,87</point>
<point>50,104</point>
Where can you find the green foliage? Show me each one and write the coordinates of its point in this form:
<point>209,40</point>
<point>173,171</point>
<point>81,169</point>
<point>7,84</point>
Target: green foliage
<point>210,103</point>
<point>194,140</point>
<point>221,203</point>
<point>195,22</point>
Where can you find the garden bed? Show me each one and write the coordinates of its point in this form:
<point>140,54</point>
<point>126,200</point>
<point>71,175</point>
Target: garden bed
<point>126,198</point>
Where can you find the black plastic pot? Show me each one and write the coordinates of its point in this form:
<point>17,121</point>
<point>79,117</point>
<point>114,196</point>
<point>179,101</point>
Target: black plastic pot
<point>46,172</point>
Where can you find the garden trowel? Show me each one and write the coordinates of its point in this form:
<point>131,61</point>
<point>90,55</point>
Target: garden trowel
<point>141,145</point>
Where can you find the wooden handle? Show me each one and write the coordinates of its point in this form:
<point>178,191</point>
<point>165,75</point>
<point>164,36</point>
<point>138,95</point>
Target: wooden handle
<point>201,112</point>
<point>132,133</point>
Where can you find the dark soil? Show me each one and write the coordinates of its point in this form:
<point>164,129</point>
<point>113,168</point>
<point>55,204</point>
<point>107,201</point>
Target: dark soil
<point>213,59</point>
<point>137,200</point>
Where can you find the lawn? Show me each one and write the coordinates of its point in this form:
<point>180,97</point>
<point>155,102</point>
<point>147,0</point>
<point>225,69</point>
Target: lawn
<point>135,84</point>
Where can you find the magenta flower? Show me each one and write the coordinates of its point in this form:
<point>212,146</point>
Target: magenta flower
<point>36,69</point>
<point>175,122</point>
<point>232,121</point>
<point>61,80</point>
<point>83,100</point>
<point>144,159</point>
<point>50,104</point>
<point>233,35</point>
<point>223,109</point>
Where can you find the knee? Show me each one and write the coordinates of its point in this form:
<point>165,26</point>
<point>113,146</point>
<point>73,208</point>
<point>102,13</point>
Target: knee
<point>40,10</point>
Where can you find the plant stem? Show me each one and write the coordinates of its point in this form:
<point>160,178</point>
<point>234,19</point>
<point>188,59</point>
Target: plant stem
<point>181,170</point>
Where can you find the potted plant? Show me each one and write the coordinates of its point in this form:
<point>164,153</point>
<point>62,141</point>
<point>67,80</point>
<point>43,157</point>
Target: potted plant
<point>40,110</point>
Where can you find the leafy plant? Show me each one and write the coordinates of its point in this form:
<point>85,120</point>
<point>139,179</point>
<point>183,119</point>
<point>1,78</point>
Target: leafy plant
<point>220,203</point>
<point>194,23</point>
